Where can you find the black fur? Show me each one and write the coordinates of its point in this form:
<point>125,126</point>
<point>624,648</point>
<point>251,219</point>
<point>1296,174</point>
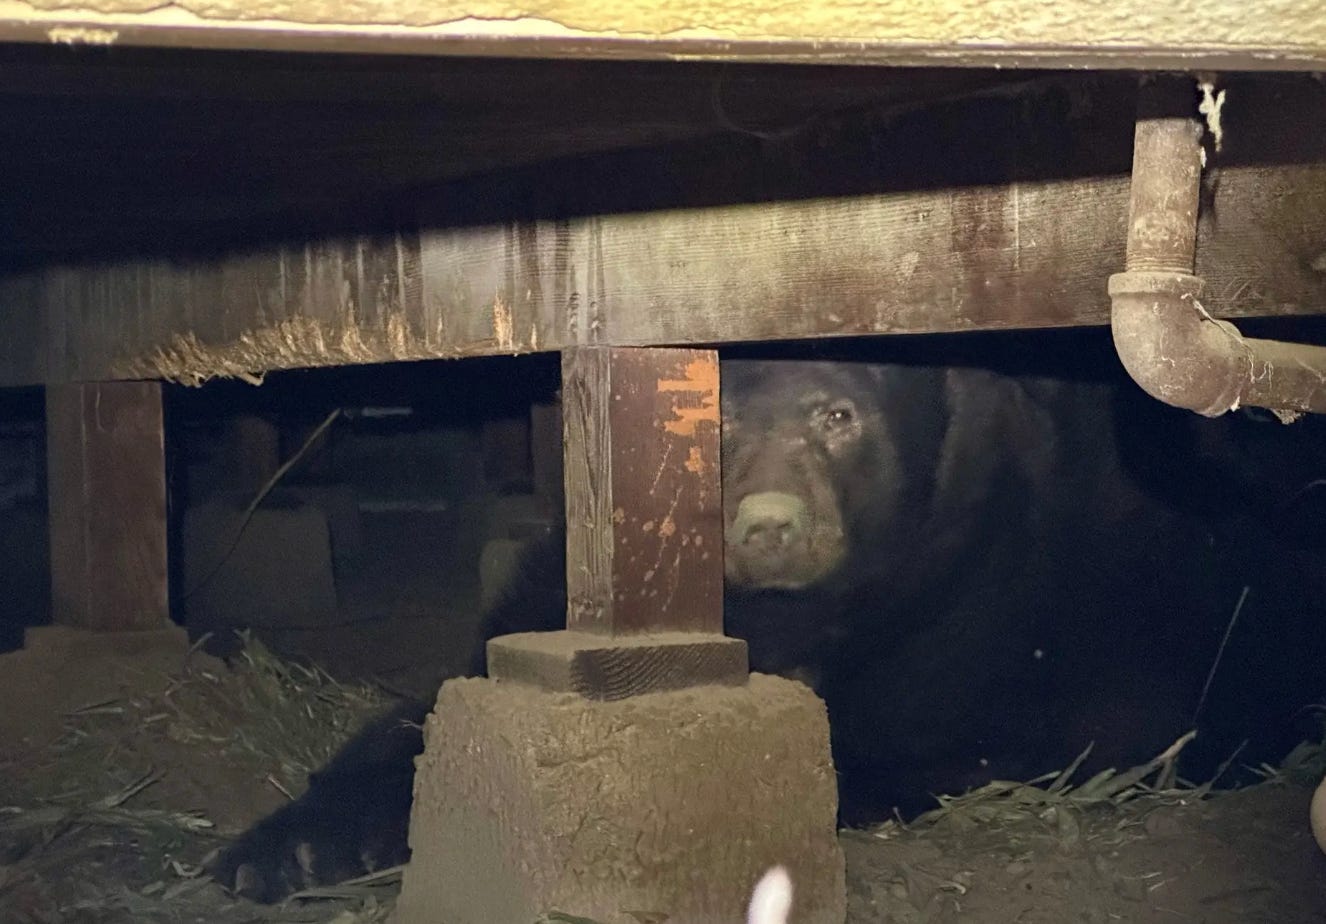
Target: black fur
<point>352,820</point>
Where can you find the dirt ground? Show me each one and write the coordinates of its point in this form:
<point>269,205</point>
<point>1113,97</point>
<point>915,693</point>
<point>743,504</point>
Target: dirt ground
<point>124,760</point>
<point>1244,856</point>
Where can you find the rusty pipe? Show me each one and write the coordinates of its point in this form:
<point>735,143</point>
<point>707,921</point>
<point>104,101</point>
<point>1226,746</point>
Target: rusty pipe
<point>1166,340</point>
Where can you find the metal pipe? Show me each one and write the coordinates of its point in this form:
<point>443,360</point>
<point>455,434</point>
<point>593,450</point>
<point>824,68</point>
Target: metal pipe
<point>1166,340</point>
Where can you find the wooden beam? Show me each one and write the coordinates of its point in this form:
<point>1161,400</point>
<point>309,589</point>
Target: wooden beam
<point>107,503</point>
<point>25,344</point>
<point>993,213</point>
<point>1197,34</point>
<point>1027,255</point>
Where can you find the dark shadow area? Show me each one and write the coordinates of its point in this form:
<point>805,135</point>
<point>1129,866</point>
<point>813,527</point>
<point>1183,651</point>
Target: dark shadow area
<point>1099,569</point>
<point>377,527</point>
<point>261,159</point>
<point>421,500</point>
<point>25,577</point>
<point>202,152</point>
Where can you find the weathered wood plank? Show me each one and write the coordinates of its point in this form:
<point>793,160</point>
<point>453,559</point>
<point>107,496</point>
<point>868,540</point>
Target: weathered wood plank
<point>1031,254</point>
<point>898,263</point>
<point>644,565</point>
<point>1215,34</point>
<point>1000,213</point>
<point>643,509</point>
<point>107,505</point>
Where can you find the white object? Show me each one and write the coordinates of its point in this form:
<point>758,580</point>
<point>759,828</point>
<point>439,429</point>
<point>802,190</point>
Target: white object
<point>772,900</point>
<point>1317,813</point>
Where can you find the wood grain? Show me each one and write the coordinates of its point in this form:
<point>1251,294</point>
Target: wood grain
<point>107,505</point>
<point>644,527</point>
<point>987,214</point>
<point>614,669</point>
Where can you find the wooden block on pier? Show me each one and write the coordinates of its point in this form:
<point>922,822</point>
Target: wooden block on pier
<point>609,669</point>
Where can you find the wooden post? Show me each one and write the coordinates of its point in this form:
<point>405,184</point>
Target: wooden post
<point>107,486</point>
<point>644,531</point>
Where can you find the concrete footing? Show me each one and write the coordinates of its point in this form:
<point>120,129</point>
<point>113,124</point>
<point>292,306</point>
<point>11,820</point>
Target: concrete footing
<point>665,806</point>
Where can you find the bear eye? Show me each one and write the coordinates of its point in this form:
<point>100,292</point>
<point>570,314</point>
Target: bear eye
<point>838,415</point>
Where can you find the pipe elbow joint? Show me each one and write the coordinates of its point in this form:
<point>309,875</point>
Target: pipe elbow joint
<point>1171,348</point>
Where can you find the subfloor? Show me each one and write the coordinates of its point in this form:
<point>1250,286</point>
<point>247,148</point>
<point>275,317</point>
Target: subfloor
<point>125,760</point>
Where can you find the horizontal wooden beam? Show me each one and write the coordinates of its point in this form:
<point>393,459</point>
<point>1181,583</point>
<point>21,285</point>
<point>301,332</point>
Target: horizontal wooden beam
<point>1210,34</point>
<point>1005,213</point>
<point>1022,255</point>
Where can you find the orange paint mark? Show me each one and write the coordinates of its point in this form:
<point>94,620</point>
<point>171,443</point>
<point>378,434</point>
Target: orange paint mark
<point>701,381</point>
<point>667,528</point>
<point>695,463</point>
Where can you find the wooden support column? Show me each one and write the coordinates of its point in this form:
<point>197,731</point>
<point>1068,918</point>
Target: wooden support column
<point>644,538</point>
<point>107,485</point>
<point>643,499</point>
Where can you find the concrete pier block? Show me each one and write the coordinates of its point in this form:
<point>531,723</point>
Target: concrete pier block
<point>663,806</point>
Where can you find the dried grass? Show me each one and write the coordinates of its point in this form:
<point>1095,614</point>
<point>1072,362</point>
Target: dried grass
<point>297,716</point>
<point>1052,803</point>
<point>280,719</point>
<point>285,720</point>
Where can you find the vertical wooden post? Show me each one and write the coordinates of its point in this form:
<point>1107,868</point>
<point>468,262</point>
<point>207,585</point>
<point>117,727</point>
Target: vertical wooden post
<point>107,486</point>
<point>643,531</point>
